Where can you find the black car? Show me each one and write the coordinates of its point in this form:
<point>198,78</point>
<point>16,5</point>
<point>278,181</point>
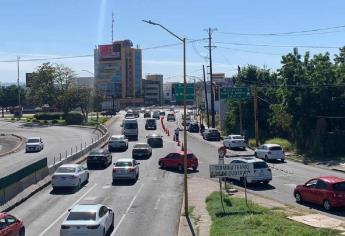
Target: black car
<point>108,113</point>
<point>141,150</point>
<point>155,140</point>
<point>99,157</point>
<point>151,124</point>
<point>147,114</point>
<point>193,128</point>
<point>211,134</point>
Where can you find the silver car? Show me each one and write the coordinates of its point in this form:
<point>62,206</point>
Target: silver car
<point>88,220</point>
<point>70,175</point>
<point>126,168</point>
<point>117,142</point>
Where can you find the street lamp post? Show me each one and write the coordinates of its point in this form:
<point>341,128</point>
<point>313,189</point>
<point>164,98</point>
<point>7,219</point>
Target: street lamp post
<point>183,40</point>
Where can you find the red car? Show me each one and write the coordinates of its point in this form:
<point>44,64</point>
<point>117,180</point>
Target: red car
<point>10,225</point>
<point>328,191</point>
<point>175,160</point>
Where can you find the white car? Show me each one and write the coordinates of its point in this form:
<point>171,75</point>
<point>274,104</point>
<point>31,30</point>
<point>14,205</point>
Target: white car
<point>234,141</point>
<point>88,220</point>
<point>34,144</point>
<point>260,170</point>
<point>270,152</point>
<point>117,142</point>
<point>70,175</point>
<point>126,168</point>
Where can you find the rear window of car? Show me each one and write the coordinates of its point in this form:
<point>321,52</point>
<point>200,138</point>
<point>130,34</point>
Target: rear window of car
<point>237,137</point>
<point>65,170</point>
<point>275,148</point>
<point>339,186</point>
<point>116,138</point>
<point>140,146</point>
<point>33,140</point>
<point>82,216</point>
<point>123,163</point>
<point>260,165</point>
<point>151,122</point>
<point>131,126</point>
<point>96,152</point>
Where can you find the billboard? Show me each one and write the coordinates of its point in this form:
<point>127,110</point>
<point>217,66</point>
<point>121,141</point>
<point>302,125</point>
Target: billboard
<point>109,52</point>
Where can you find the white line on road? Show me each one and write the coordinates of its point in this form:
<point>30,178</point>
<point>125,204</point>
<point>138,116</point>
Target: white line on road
<point>129,207</point>
<point>156,205</point>
<point>57,219</point>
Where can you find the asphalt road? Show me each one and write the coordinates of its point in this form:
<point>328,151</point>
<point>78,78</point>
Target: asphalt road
<point>151,206</point>
<point>57,139</point>
<point>285,175</point>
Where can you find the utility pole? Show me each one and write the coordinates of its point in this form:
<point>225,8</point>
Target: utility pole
<point>211,75</point>
<point>256,116</point>
<point>208,116</point>
<point>112,27</point>
<point>19,105</point>
<point>240,103</point>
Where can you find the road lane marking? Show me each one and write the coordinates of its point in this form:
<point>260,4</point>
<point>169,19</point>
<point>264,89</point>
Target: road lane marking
<point>57,219</point>
<point>156,205</point>
<point>129,207</point>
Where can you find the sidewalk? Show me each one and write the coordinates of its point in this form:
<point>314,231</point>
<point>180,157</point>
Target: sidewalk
<point>201,221</point>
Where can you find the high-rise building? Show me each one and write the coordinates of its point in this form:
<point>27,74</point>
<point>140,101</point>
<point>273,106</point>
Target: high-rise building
<point>118,72</point>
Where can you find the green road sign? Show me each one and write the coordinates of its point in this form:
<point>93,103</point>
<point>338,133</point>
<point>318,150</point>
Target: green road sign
<point>179,92</point>
<point>235,93</point>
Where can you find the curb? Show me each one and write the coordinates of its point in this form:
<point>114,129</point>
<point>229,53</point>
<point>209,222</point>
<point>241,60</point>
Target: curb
<point>17,148</point>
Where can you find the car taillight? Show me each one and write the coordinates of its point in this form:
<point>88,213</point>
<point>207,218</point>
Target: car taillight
<point>64,227</point>
<point>92,226</point>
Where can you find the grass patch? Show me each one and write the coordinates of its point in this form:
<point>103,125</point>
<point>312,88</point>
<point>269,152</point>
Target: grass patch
<point>286,144</point>
<point>252,143</point>
<point>238,220</point>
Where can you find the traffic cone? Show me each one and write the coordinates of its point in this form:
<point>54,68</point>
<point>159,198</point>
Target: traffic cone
<point>174,138</point>
<point>182,149</point>
<point>178,142</point>
<point>168,132</point>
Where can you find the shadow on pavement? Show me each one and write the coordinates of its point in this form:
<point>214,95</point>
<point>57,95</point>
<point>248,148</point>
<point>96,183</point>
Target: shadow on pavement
<point>335,211</point>
<point>254,186</point>
<point>190,225</point>
<point>123,182</point>
<point>189,171</point>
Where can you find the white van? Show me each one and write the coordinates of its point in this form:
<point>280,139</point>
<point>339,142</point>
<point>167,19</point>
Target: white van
<point>260,170</point>
<point>130,128</point>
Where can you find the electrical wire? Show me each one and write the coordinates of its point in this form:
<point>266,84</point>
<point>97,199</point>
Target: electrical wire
<point>250,51</point>
<point>278,46</point>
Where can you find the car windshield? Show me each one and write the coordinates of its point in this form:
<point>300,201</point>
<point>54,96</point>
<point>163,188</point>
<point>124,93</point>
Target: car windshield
<point>34,140</point>
<point>116,138</point>
<point>75,216</point>
<point>339,186</point>
<point>275,148</point>
<point>260,165</point>
<point>140,146</point>
<point>66,170</point>
<point>123,163</point>
<point>131,126</point>
<point>237,137</point>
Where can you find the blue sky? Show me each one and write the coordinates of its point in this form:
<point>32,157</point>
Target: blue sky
<point>50,28</point>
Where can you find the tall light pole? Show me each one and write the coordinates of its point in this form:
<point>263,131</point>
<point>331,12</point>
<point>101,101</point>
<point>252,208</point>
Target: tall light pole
<point>19,105</point>
<point>183,40</point>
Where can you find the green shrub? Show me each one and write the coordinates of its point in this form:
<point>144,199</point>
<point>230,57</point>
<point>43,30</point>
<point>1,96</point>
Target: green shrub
<point>55,121</point>
<point>12,118</point>
<point>48,115</point>
<point>45,122</point>
<point>251,143</point>
<point>74,118</point>
<point>286,144</point>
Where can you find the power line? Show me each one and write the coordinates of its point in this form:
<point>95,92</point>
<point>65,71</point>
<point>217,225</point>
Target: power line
<point>290,32</point>
<point>279,46</point>
<point>250,51</point>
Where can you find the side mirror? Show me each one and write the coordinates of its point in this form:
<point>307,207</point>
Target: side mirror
<point>121,125</point>
<point>138,163</point>
<point>110,210</point>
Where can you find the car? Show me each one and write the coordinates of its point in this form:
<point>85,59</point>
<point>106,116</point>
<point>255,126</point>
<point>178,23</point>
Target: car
<point>130,128</point>
<point>99,157</point>
<point>234,141</point>
<point>142,110</point>
<point>117,142</point>
<point>328,191</point>
<point>147,114</point>
<point>162,112</point>
<point>88,220</point>
<point>176,160</point>
<point>10,225</point>
<point>270,152</point>
<point>260,173</point>
<point>136,113</point>
<point>126,168</point>
<point>70,175</point>
<point>141,150</point>
<point>211,134</point>
<point>193,127</point>
<point>172,108</point>
<point>150,124</point>
<point>155,140</point>
<point>156,115</point>
<point>171,117</point>
<point>108,113</point>
<point>34,144</point>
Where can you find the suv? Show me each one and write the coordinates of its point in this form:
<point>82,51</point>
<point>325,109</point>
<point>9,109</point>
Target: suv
<point>175,160</point>
<point>130,128</point>
<point>270,152</point>
<point>151,124</point>
<point>193,128</point>
<point>10,225</point>
<point>99,156</point>
<point>234,141</point>
<point>171,117</point>
<point>34,144</point>
<point>147,114</point>
<point>260,172</point>
<point>211,134</point>
<point>155,140</point>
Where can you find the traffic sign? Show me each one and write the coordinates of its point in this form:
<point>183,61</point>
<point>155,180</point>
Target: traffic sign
<point>235,93</point>
<point>230,170</point>
<point>179,92</point>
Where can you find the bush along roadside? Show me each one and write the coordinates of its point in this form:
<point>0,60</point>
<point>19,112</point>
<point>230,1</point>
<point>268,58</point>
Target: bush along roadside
<point>240,220</point>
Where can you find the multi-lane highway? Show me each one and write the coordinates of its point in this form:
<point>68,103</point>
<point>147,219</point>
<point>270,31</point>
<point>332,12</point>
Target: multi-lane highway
<point>151,206</point>
<point>57,139</point>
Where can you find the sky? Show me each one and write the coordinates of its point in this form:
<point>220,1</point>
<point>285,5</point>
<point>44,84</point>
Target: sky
<point>50,28</point>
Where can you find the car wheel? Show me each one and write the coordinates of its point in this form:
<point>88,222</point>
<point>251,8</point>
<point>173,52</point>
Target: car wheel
<point>256,155</point>
<point>104,232</point>
<point>266,158</point>
<point>327,205</point>
<point>282,160</point>
<point>112,222</point>
<point>180,168</point>
<point>161,165</point>
<point>195,168</point>
<point>298,197</point>
<point>266,182</point>
<point>22,232</point>
<point>87,178</point>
